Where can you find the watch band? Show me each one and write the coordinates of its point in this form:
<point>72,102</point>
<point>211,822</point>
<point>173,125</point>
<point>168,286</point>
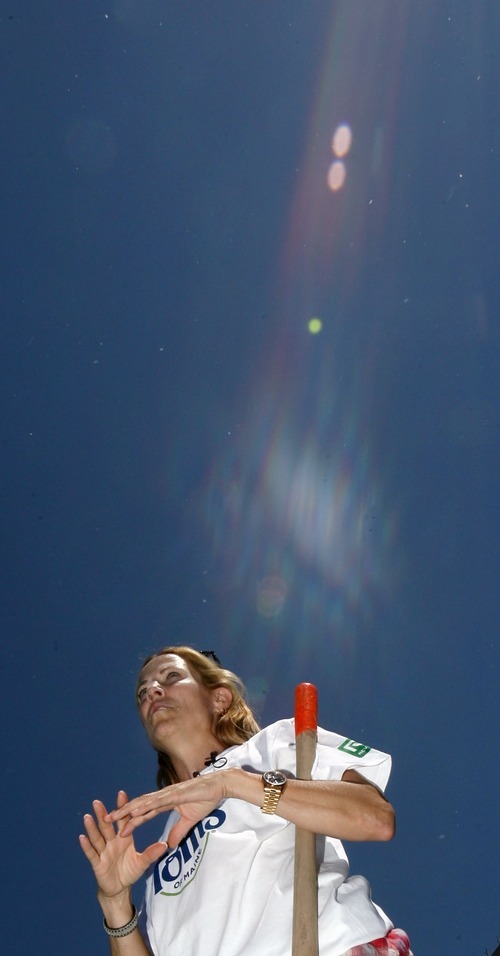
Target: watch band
<point>272,792</point>
<point>271,797</point>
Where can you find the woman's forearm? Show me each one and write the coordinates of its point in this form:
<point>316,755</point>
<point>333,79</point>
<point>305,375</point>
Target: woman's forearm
<point>349,809</point>
<point>132,945</point>
<point>117,912</point>
<point>337,808</point>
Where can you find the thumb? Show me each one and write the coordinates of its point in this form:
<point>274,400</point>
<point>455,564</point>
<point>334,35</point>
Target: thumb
<point>178,832</point>
<point>153,853</point>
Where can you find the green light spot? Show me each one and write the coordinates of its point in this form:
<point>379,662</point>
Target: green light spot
<point>314,326</point>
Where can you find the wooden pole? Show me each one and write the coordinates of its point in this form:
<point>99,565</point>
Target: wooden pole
<point>305,888</point>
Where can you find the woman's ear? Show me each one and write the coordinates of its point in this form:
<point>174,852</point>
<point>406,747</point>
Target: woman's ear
<point>223,699</point>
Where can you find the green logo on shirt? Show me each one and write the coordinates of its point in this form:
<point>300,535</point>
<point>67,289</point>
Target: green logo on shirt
<point>356,750</point>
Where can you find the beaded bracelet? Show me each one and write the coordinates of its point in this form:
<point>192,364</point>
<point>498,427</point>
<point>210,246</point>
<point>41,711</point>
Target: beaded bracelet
<point>122,930</point>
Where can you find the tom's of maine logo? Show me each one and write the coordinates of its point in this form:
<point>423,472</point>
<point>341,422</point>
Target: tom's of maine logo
<point>355,749</point>
<point>174,872</point>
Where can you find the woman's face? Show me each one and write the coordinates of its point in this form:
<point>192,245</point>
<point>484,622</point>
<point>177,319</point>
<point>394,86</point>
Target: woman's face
<point>172,703</point>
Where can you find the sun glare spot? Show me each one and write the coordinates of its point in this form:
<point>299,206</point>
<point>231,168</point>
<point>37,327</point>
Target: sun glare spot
<point>336,176</point>
<point>341,141</point>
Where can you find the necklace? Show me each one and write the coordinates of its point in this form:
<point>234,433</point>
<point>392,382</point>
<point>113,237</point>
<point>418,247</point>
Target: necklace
<point>213,760</point>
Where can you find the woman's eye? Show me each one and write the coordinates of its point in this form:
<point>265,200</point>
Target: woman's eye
<point>169,676</point>
<point>162,678</point>
<point>165,675</point>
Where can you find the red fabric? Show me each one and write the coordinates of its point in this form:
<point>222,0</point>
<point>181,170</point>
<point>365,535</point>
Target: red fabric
<point>396,943</point>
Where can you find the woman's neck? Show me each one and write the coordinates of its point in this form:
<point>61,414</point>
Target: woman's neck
<point>191,759</point>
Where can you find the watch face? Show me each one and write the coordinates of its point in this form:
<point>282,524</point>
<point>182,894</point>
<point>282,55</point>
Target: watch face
<point>274,778</point>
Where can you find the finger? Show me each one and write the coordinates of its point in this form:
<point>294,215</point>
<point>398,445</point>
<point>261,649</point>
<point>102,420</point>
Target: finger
<point>88,849</point>
<point>123,806</point>
<point>107,829</point>
<point>140,805</point>
<point>121,800</point>
<point>133,822</point>
<point>153,853</point>
<point>94,835</point>
<point>178,832</point>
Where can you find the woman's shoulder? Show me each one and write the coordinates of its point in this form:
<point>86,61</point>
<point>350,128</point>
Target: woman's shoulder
<point>257,750</point>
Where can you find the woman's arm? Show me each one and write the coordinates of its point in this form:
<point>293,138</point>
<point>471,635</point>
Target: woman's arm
<point>349,809</point>
<point>117,866</point>
<point>117,912</point>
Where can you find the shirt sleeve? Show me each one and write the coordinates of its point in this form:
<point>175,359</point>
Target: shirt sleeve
<point>334,755</point>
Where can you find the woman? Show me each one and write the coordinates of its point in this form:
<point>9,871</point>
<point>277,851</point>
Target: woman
<point>221,878</point>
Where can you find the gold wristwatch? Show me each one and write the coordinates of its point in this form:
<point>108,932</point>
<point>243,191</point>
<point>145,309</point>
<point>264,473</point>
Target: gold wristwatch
<point>274,782</point>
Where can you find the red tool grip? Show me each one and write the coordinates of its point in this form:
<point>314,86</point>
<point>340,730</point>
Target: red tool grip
<point>306,708</point>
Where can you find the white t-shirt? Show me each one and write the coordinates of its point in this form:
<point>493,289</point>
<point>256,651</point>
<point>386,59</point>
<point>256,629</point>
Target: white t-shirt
<point>227,889</point>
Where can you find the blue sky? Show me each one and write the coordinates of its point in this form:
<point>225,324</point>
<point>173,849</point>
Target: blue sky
<point>185,461</point>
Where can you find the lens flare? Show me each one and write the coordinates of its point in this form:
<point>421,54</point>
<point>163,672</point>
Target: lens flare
<point>341,141</point>
<point>271,595</point>
<point>336,175</point>
<point>296,514</point>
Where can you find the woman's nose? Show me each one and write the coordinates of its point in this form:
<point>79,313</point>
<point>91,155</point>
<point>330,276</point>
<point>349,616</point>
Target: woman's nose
<point>154,689</point>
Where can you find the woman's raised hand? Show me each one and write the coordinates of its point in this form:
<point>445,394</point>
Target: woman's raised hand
<point>112,856</point>
<point>192,799</point>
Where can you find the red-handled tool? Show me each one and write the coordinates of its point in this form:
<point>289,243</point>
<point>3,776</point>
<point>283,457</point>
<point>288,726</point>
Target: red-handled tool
<point>305,888</point>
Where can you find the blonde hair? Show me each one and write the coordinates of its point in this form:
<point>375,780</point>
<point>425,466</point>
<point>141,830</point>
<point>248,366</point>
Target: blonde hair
<point>234,726</point>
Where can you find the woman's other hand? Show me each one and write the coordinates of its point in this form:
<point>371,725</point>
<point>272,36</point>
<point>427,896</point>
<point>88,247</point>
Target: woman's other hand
<point>112,854</point>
